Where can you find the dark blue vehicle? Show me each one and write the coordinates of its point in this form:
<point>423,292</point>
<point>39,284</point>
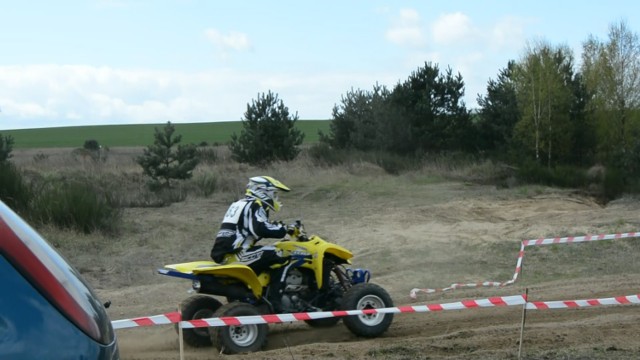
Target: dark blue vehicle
<point>47,310</point>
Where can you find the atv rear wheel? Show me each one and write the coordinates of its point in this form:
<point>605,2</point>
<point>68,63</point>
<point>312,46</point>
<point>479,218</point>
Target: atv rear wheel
<point>362,297</point>
<point>236,339</point>
<point>198,307</point>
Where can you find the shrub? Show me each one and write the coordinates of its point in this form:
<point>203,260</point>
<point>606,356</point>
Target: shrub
<point>6,146</point>
<point>82,155</point>
<point>92,145</point>
<point>207,155</point>
<point>562,176</point>
<point>324,155</point>
<point>394,164</point>
<point>40,158</point>
<point>570,176</point>
<point>207,184</point>
<point>613,183</point>
<point>13,190</point>
<point>76,204</point>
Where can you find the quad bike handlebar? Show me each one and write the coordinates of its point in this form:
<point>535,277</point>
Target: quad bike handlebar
<point>296,232</point>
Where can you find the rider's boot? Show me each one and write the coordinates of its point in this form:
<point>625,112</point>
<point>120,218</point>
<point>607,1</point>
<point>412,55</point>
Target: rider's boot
<point>276,289</point>
<point>276,298</point>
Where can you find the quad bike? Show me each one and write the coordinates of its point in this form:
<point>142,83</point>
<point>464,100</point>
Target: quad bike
<point>316,280</point>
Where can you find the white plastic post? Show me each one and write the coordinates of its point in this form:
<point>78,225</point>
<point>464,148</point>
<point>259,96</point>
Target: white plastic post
<point>180,335</point>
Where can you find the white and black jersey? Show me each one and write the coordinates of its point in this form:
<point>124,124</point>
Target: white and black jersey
<point>244,224</point>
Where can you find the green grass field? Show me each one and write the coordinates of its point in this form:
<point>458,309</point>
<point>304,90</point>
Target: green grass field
<point>142,135</point>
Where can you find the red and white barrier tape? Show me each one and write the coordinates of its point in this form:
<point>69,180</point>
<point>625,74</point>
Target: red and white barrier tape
<point>169,318</point>
<point>503,301</point>
<point>620,300</point>
<point>575,239</point>
<point>280,318</point>
<point>534,242</point>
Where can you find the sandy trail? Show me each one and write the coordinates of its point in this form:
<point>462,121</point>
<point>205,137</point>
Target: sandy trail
<point>431,236</point>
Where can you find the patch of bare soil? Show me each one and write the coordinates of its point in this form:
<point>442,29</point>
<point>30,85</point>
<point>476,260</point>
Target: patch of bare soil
<point>411,233</point>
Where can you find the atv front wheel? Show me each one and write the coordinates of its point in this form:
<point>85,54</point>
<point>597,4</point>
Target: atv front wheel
<point>362,297</point>
<point>236,339</point>
<point>198,307</point>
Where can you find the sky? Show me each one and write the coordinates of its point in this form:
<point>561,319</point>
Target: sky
<point>102,62</point>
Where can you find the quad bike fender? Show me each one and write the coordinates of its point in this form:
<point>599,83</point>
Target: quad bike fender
<point>340,252</point>
<point>240,272</point>
<point>318,248</point>
<point>188,268</point>
<point>332,249</point>
<point>323,247</point>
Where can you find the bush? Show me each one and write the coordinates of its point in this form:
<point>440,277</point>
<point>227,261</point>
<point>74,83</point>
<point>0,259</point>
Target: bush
<point>561,176</point>
<point>207,184</point>
<point>92,145</point>
<point>40,158</point>
<point>324,155</point>
<point>394,164</point>
<point>76,204</point>
<point>207,155</point>
<point>570,176</point>
<point>14,192</point>
<point>6,146</point>
<point>613,184</point>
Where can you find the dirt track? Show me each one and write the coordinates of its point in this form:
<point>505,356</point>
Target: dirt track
<point>424,236</point>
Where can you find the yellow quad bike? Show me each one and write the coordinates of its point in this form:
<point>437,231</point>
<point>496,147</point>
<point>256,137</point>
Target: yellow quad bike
<point>317,279</point>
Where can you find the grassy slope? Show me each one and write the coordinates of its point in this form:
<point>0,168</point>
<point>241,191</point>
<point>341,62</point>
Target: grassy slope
<point>142,134</point>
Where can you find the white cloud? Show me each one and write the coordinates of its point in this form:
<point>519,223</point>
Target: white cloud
<point>454,40</point>
<point>233,40</point>
<point>66,95</point>
<point>451,28</point>
<point>406,29</point>
<point>508,33</point>
<point>83,94</point>
<point>25,109</point>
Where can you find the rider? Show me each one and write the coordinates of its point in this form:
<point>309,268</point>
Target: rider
<point>245,223</point>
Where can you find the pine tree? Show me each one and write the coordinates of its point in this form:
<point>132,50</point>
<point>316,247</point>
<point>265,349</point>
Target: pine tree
<point>162,162</point>
<point>269,133</point>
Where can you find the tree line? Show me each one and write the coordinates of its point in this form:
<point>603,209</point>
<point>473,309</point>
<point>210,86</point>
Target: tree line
<point>541,110</point>
<point>540,106</point>
<point>541,113</point>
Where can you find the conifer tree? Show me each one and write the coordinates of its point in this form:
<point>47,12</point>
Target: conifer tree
<point>269,133</point>
<point>166,159</point>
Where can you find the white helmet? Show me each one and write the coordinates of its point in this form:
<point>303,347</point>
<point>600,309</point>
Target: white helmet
<point>265,189</point>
